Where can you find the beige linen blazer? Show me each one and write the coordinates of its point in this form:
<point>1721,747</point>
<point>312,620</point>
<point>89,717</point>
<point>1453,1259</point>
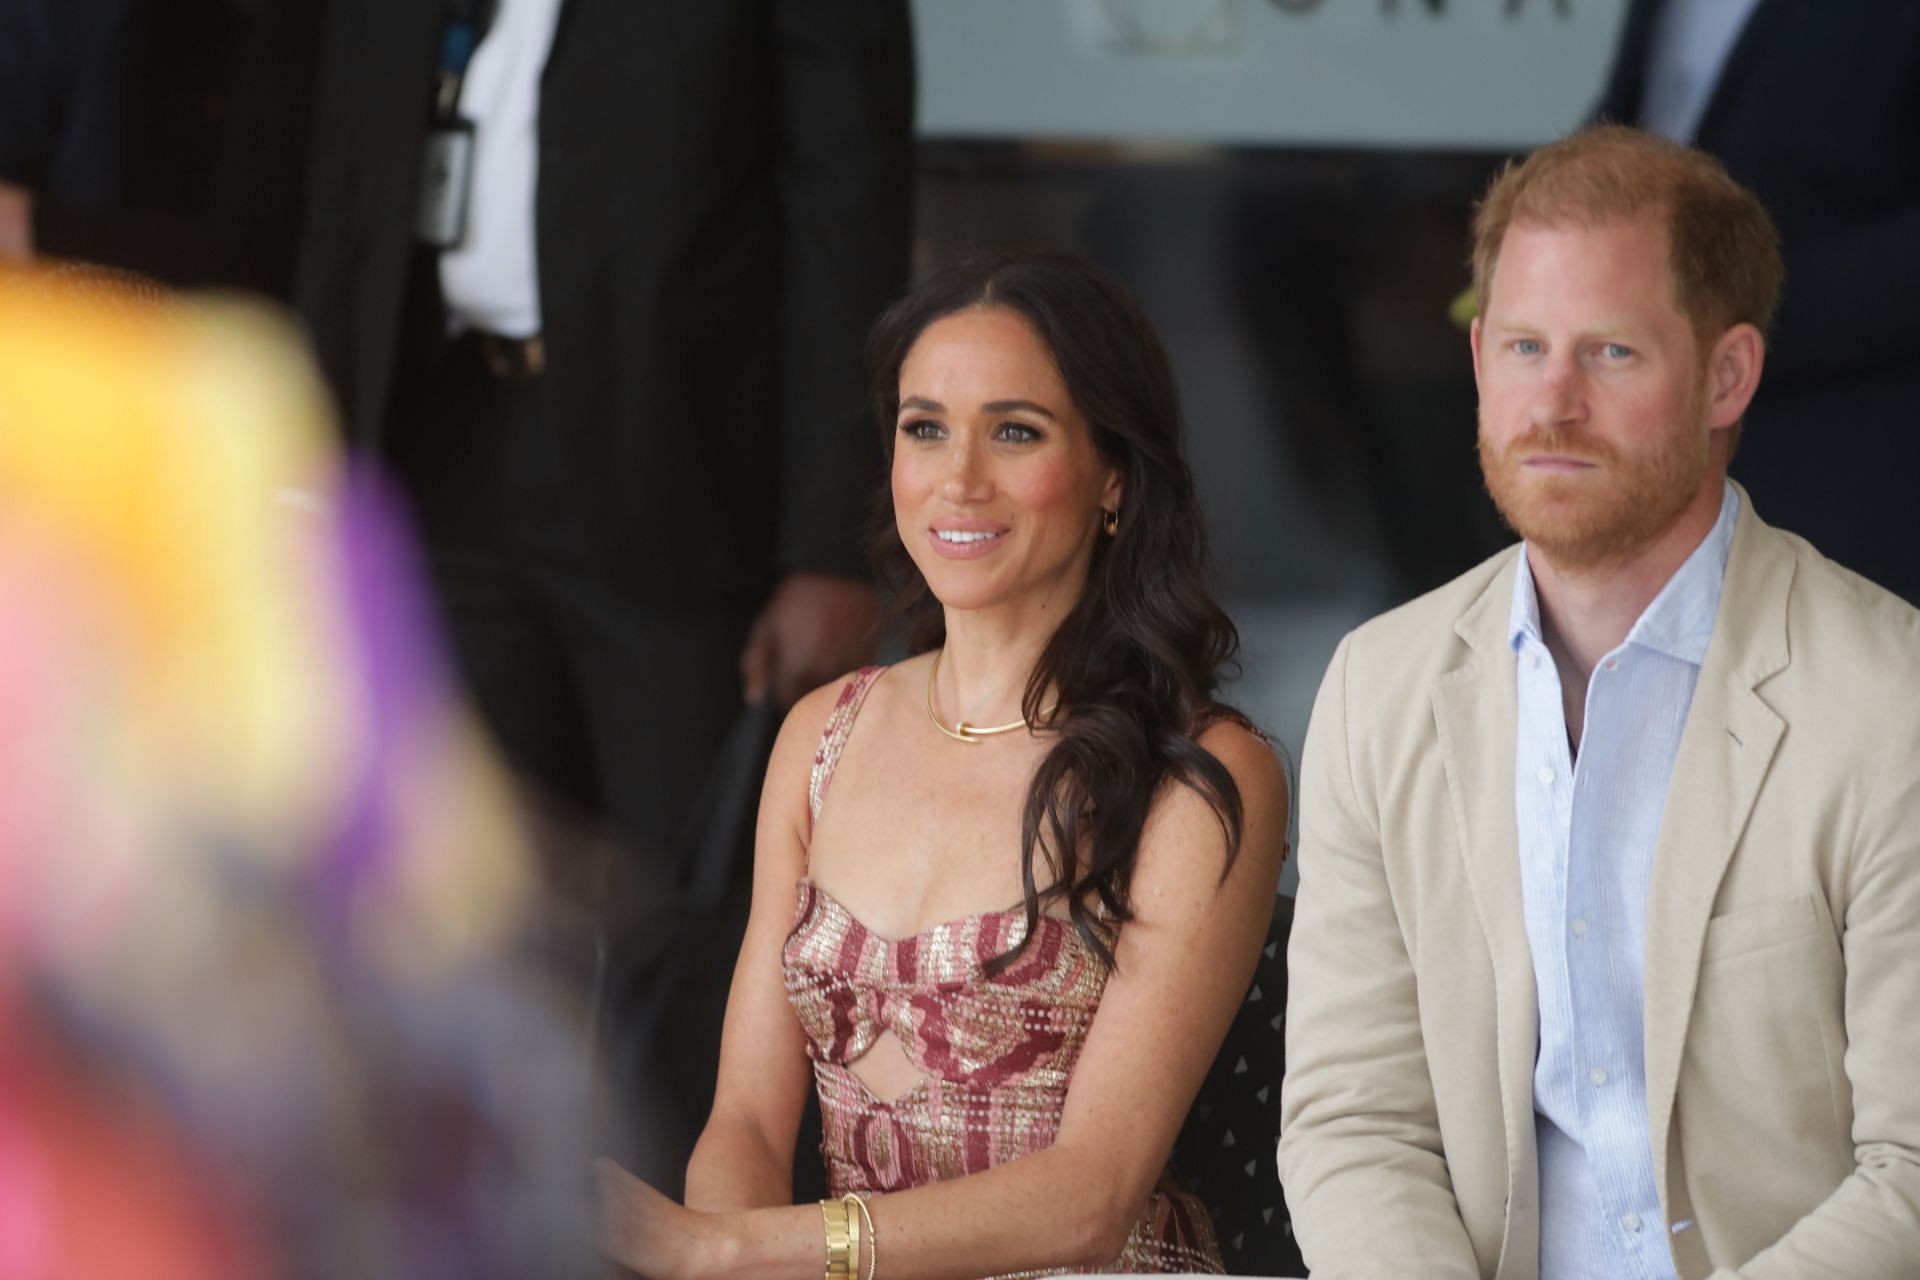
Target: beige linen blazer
<point>1782,952</point>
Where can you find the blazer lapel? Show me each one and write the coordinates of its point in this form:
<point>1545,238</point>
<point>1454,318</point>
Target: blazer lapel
<point>1725,750</point>
<point>1474,707</point>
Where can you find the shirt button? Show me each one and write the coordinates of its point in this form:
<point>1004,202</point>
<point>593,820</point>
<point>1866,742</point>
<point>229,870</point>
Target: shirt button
<point>1598,1075</point>
<point>1579,928</point>
<point>1632,1223</point>
<point>1546,775</point>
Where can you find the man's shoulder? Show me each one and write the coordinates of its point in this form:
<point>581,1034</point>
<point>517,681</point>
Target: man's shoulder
<point>1422,635</point>
<point>1842,626</point>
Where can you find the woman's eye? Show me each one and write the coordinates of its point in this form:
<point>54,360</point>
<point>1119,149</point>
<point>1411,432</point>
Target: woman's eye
<point>1018,433</point>
<point>921,429</point>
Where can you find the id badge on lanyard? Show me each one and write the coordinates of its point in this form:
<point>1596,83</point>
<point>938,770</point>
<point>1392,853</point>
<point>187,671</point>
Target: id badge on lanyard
<point>446,162</point>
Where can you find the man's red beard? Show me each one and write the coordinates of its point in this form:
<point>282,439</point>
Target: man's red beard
<point>1593,518</point>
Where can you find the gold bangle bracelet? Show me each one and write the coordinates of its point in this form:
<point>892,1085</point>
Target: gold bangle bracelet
<point>873,1237</point>
<point>839,1240</point>
<point>854,1224</point>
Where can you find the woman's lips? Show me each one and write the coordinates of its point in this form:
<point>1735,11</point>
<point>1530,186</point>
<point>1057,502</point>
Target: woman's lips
<point>957,543</point>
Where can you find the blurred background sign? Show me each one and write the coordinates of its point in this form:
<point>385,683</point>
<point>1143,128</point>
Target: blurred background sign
<point>1466,74</point>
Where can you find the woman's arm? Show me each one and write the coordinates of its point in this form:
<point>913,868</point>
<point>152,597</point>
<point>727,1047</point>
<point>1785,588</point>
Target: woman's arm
<point>1183,965</point>
<point>744,1158</point>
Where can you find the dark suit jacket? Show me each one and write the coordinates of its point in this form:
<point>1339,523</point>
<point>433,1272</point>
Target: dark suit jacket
<point>1818,113</point>
<point>723,209</point>
<point>164,137</point>
<point>59,96</point>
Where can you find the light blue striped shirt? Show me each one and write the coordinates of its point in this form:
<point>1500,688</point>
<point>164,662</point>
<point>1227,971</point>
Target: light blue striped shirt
<point>1587,834</point>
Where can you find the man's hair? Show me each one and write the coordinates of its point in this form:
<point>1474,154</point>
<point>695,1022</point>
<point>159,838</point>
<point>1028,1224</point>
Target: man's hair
<point>1725,253</point>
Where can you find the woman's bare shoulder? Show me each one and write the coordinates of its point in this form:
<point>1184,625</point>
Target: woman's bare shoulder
<point>1184,825</point>
<point>807,719</point>
<point>791,766</point>
<point>1237,744</point>
<point>1250,756</point>
<point>807,723</point>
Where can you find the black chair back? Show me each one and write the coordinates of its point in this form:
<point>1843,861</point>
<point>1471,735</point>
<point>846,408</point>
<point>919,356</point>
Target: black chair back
<point>1225,1153</point>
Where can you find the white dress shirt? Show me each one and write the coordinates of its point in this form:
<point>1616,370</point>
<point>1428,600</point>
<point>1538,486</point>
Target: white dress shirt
<point>1692,40</point>
<point>492,280</point>
<point>1587,835</point>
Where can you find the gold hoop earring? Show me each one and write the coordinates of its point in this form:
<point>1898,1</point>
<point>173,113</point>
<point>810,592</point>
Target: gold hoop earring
<point>1110,522</point>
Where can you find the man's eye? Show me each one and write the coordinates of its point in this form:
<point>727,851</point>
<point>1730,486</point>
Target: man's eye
<point>1617,351</point>
<point>922,429</point>
<point>1527,347</point>
<point>1018,433</point>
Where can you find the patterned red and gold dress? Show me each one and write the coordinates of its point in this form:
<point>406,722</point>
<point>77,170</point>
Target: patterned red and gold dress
<point>995,1053</point>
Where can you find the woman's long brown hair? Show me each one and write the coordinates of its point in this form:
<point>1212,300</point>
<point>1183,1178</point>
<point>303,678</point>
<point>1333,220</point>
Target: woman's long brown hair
<point>1135,665</point>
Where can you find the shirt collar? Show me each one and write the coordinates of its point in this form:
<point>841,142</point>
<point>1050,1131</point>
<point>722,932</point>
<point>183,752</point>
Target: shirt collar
<point>1679,621</point>
<point>1523,617</point>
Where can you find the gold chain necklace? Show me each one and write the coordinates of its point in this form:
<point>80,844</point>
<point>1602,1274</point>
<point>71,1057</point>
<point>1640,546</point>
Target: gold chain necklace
<point>962,731</point>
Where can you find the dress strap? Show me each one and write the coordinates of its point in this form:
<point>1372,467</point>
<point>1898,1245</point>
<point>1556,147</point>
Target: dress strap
<point>826,758</point>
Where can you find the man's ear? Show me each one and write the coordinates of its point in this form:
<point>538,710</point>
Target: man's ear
<point>1733,374</point>
<point>1473,341</point>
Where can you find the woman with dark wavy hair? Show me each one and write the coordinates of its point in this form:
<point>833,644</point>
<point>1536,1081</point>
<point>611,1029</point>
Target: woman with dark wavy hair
<point>1031,900</point>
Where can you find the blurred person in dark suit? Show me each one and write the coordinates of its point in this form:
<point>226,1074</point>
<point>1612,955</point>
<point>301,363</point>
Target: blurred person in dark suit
<point>594,277</point>
<point>163,137</point>
<point>1813,107</point>
<point>53,97</point>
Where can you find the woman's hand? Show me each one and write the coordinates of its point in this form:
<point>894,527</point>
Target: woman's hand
<point>645,1231</point>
